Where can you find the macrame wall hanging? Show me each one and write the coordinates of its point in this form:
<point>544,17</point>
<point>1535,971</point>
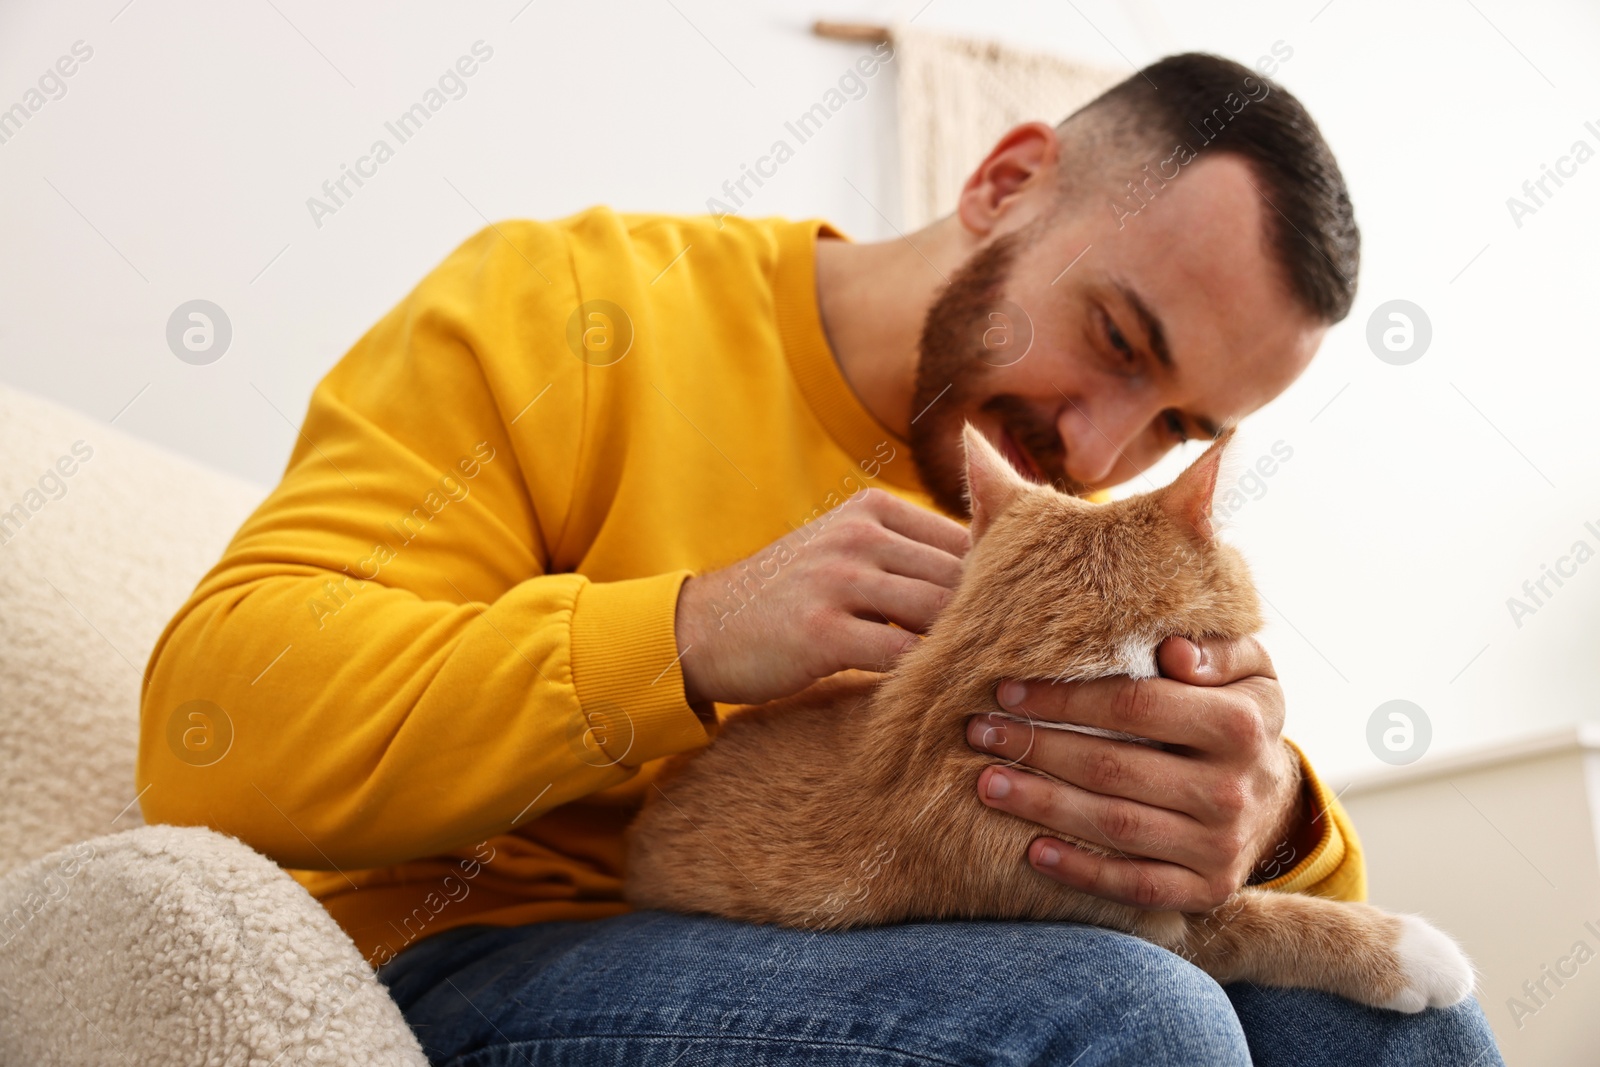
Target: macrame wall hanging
<point>958,95</point>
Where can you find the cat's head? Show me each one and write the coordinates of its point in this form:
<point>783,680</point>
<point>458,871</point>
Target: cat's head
<point>1058,586</point>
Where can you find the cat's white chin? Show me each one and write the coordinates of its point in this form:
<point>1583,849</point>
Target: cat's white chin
<point>1136,657</point>
<point>1436,972</point>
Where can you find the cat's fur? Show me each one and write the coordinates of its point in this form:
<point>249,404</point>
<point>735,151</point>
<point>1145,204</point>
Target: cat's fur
<point>855,803</point>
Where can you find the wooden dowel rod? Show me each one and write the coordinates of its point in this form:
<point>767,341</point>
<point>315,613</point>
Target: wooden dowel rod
<point>850,31</point>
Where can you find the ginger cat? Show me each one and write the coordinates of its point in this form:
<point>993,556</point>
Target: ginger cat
<point>855,802</point>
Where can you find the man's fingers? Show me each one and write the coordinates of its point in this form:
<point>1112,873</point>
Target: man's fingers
<point>919,524</point>
<point>899,554</point>
<point>1139,883</point>
<point>1158,709</point>
<point>1213,660</point>
<point>1126,827</point>
<point>872,646</point>
<point>905,602</point>
<point>1097,764</point>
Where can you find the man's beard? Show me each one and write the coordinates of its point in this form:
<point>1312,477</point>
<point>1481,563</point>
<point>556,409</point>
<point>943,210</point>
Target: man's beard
<point>951,374</point>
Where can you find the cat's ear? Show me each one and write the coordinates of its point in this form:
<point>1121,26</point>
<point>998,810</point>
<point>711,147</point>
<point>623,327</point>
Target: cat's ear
<point>1188,499</point>
<point>992,483</point>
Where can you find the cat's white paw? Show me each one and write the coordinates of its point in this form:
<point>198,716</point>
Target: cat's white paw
<point>1435,970</point>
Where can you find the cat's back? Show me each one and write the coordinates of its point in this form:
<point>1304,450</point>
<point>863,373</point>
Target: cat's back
<point>788,743</point>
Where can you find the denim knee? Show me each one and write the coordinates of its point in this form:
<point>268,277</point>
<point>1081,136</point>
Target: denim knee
<point>1306,1028</point>
<point>1461,1034</point>
<point>1149,1006</point>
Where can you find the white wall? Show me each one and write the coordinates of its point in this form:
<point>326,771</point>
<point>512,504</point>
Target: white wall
<point>1520,892</point>
<point>1418,498</point>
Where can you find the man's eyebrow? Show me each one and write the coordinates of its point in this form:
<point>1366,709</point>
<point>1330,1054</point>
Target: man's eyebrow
<point>1149,322</point>
<point>1157,336</point>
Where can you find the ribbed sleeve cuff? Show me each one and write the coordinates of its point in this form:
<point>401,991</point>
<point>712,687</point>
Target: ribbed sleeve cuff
<point>626,670</point>
<point>1333,868</point>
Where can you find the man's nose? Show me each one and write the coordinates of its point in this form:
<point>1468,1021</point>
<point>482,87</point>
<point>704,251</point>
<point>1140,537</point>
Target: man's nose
<point>1096,440</point>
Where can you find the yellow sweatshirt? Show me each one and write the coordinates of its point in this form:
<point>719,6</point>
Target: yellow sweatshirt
<point>405,679</point>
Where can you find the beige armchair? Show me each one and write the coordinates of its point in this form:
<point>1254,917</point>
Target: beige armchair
<point>120,942</point>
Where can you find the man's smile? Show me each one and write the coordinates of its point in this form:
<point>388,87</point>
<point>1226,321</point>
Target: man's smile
<point>1020,459</point>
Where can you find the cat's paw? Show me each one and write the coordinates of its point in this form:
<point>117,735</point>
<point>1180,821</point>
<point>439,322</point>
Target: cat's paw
<point>1434,971</point>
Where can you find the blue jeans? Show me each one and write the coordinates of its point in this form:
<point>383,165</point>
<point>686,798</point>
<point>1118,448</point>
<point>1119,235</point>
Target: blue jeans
<point>651,988</point>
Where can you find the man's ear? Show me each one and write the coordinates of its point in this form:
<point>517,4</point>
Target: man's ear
<point>992,483</point>
<point>1188,499</point>
<point>1023,157</point>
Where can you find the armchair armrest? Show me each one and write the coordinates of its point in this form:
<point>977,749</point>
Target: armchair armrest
<point>183,946</point>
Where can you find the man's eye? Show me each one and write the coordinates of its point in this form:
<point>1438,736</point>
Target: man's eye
<point>1175,426</point>
<point>1119,342</point>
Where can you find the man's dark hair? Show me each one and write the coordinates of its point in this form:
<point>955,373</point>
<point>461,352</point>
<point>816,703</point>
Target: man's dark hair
<point>1214,105</point>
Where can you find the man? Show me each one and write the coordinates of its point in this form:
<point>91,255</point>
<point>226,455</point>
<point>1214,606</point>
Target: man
<point>594,478</point>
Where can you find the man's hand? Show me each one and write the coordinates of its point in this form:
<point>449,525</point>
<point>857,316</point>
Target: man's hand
<point>1185,826</point>
<point>818,601</point>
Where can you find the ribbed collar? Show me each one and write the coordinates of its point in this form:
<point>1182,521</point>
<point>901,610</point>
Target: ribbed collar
<point>811,358</point>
